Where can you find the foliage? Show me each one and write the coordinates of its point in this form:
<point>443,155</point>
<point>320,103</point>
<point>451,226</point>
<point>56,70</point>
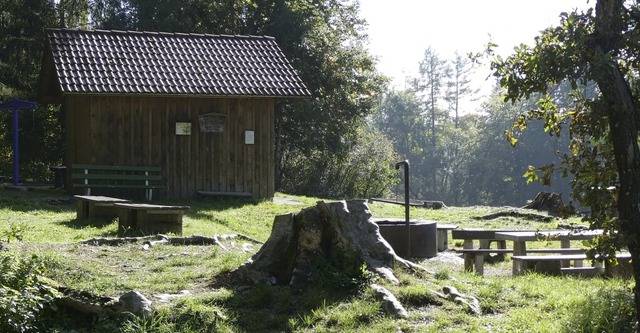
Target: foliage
<point>589,48</point>
<point>365,172</point>
<point>22,29</point>
<point>23,296</point>
<point>560,55</point>
<point>473,162</point>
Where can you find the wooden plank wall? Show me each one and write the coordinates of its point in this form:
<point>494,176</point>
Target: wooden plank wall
<point>127,130</point>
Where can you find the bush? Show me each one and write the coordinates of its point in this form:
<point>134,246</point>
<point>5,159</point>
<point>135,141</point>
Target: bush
<point>367,170</point>
<point>22,294</point>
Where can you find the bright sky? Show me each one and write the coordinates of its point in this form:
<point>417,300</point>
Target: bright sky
<point>400,30</point>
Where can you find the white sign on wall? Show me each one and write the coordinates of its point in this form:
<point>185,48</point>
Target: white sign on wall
<point>249,137</point>
<point>183,128</point>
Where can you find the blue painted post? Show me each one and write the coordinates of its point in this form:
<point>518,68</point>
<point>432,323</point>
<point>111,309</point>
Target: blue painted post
<point>16,163</point>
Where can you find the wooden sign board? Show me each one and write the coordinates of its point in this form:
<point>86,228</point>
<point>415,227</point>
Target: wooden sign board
<point>212,122</point>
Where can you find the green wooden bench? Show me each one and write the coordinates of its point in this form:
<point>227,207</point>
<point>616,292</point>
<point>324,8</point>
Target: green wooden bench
<point>91,176</point>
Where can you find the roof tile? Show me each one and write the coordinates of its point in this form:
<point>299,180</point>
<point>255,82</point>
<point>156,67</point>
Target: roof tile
<point>101,61</point>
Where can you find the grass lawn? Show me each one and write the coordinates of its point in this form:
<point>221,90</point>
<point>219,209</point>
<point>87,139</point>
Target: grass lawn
<point>39,229</point>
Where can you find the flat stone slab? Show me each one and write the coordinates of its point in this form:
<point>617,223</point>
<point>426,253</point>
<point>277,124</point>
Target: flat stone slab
<point>150,219</point>
<point>90,206</point>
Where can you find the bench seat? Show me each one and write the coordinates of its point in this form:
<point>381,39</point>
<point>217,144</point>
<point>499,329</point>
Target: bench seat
<point>550,264</point>
<point>474,258</point>
<point>150,219</point>
<point>90,206</point>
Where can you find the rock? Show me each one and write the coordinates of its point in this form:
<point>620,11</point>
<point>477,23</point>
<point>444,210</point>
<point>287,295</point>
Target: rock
<point>135,303</point>
<point>390,304</point>
<point>166,298</point>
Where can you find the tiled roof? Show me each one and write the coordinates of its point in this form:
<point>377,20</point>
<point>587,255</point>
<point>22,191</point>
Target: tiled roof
<point>125,62</point>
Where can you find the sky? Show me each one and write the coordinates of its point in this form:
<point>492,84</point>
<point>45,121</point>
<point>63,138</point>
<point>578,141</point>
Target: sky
<point>400,30</point>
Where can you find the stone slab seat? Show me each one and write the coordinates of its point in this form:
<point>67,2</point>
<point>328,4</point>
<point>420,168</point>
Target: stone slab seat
<point>474,258</point>
<point>151,219</point>
<point>90,206</point>
<point>547,263</point>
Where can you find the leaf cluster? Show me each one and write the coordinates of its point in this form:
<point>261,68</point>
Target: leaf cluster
<point>568,59</point>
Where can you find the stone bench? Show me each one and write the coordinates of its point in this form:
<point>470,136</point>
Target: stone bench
<point>90,206</point>
<point>151,219</point>
<point>475,258</point>
<point>550,264</point>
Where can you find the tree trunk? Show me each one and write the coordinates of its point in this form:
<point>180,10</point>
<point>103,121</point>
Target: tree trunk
<point>341,234</point>
<point>623,126</point>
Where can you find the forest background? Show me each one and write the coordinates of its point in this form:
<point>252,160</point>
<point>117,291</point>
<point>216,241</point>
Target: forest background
<point>343,142</point>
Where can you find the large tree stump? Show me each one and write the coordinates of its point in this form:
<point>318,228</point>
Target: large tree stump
<point>338,233</point>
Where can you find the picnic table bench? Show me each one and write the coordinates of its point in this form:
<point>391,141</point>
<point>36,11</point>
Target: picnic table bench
<point>90,206</point>
<point>91,176</point>
<point>151,219</point>
<point>554,265</point>
<point>474,258</point>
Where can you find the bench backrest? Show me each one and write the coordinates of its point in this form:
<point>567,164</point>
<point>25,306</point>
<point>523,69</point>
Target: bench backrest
<point>115,172</point>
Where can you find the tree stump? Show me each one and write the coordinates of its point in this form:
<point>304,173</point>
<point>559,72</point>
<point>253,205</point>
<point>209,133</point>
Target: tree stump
<point>551,203</point>
<point>340,234</point>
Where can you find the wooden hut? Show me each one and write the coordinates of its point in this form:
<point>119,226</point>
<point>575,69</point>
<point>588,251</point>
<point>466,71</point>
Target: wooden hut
<point>199,106</point>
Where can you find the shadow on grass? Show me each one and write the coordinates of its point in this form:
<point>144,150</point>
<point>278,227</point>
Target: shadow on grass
<point>280,308</point>
<point>47,201</point>
<point>98,223</point>
<point>202,208</point>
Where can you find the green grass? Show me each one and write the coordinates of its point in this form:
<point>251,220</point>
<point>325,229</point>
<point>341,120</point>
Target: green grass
<point>42,224</point>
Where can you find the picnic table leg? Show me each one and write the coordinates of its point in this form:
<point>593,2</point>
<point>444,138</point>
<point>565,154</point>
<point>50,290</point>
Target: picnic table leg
<point>479,264</point>
<point>468,258</point>
<point>565,244</point>
<point>519,249</point>
<point>485,244</point>
<point>441,236</point>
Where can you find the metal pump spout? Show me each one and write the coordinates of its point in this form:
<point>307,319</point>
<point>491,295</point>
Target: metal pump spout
<point>405,163</point>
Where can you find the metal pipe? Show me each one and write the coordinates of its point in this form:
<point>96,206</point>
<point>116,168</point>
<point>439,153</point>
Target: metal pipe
<point>16,157</point>
<point>405,163</point>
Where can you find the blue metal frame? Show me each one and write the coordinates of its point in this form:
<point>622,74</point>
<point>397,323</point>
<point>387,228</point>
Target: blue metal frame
<point>16,105</point>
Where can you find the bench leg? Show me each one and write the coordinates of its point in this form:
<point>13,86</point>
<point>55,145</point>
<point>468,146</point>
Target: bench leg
<point>479,264</point>
<point>517,267</point>
<point>520,267</point>
<point>443,240</point>
<point>82,209</point>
